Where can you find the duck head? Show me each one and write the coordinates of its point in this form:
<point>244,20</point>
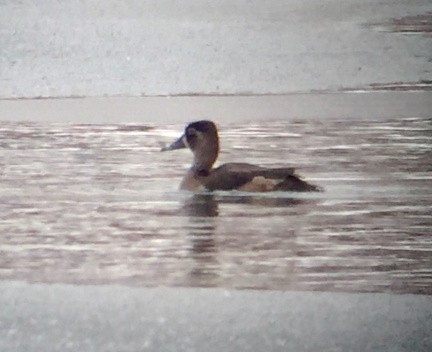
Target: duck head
<point>201,137</point>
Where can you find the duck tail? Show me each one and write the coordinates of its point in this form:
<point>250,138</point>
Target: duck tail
<point>295,184</point>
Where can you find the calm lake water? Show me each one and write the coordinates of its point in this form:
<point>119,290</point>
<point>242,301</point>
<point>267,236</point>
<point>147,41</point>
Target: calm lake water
<point>99,203</point>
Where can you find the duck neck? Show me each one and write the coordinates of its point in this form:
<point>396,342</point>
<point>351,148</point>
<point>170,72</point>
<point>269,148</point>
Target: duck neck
<point>202,167</point>
<point>202,164</point>
<point>205,156</point>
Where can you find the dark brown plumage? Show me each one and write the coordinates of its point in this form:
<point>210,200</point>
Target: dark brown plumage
<point>202,139</point>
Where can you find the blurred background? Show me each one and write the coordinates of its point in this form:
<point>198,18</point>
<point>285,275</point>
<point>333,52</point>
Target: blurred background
<point>75,48</point>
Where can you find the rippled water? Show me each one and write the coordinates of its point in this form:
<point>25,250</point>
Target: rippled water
<point>99,203</point>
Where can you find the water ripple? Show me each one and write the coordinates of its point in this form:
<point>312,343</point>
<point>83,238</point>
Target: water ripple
<point>98,203</point>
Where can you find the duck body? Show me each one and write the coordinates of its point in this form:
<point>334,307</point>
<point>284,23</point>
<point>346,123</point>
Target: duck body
<point>202,139</point>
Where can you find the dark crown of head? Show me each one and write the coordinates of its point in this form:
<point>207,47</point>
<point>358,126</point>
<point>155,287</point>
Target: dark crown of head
<point>202,126</point>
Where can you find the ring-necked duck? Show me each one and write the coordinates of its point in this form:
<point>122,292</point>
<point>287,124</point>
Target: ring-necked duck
<point>201,137</point>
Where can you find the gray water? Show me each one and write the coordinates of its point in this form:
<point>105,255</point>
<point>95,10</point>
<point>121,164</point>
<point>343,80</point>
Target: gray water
<point>86,203</point>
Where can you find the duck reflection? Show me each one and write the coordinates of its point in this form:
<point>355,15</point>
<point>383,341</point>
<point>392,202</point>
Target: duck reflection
<point>207,204</point>
<point>202,211</point>
<point>201,205</point>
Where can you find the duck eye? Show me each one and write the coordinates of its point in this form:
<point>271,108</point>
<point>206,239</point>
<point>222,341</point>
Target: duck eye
<point>190,132</point>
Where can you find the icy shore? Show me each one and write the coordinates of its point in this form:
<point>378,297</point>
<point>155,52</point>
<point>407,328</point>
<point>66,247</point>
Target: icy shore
<point>114,318</point>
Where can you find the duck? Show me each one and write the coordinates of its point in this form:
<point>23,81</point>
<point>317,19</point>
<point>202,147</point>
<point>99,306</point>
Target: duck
<point>202,138</point>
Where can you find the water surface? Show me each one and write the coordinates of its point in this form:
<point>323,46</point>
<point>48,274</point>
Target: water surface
<point>99,203</point>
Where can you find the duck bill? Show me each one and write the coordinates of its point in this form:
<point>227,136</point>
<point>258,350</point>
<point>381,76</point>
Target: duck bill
<point>178,144</point>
